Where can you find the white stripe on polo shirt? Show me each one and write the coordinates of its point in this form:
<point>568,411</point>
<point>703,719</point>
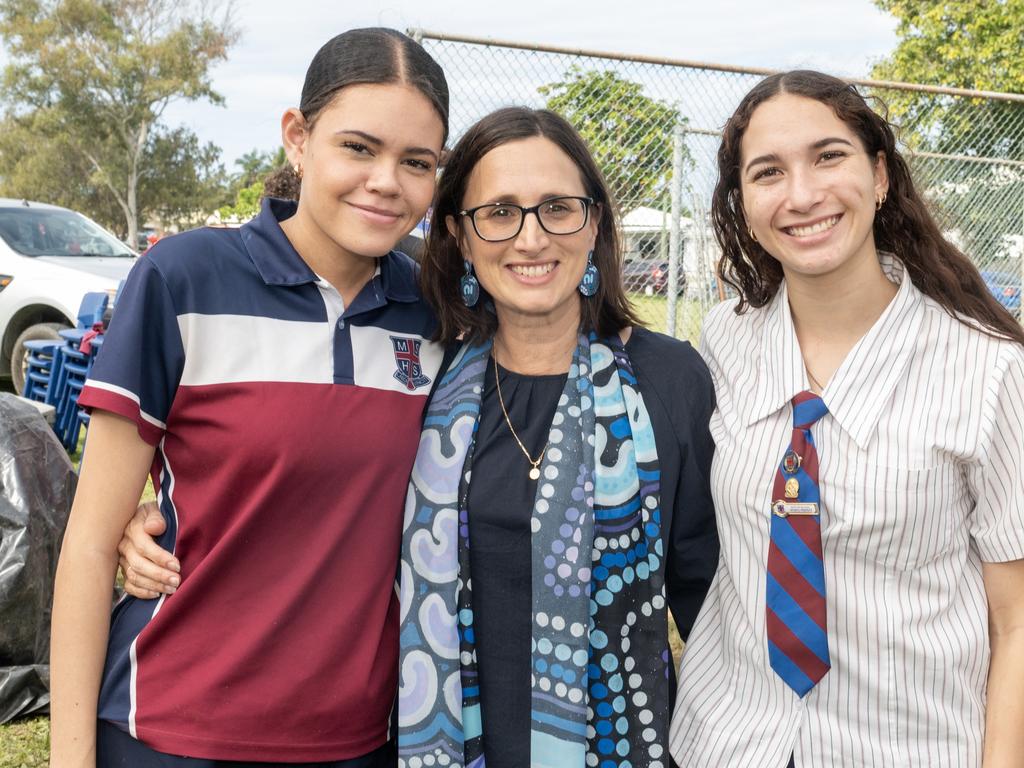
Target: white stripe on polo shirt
<point>221,350</point>
<point>113,388</point>
<point>922,479</point>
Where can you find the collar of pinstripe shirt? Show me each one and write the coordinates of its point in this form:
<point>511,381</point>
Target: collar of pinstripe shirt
<point>860,389</point>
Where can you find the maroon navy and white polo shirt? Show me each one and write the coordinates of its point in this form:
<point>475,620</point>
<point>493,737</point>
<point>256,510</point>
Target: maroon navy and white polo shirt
<point>285,428</point>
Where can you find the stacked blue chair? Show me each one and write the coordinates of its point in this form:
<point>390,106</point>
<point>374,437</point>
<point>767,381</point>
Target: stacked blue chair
<point>57,369</point>
<point>76,417</point>
<point>44,360</point>
<point>45,357</point>
<point>74,371</point>
<point>94,306</point>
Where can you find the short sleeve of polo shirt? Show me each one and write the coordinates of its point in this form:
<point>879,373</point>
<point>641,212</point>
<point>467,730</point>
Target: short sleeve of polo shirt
<point>997,481</point>
<point>137,370</point>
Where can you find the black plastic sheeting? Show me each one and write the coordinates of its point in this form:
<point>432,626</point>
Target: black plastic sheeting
<point>37,484</point>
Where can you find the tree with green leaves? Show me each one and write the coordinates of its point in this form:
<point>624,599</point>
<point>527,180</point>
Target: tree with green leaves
<point>246,205</point>
<point>92,79</point>
<point>629,133</point>
<point>246,187</point>
<point>972,45</point>
<point>963,44</point>
<point>255,164</point>
<point>178,178</point>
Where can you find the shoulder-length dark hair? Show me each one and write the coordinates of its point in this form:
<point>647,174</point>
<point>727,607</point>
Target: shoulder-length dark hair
<point>607,312</point>
<point>903,226</point>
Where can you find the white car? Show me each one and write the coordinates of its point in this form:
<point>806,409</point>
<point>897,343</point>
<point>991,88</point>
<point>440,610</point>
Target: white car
<point>50,258</point>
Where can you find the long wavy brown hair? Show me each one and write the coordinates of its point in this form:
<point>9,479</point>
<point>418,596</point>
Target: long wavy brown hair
<point>903,226</point>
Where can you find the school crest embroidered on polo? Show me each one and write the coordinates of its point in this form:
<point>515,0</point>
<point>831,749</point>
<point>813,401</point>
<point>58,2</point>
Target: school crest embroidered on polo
<point>407,358</point>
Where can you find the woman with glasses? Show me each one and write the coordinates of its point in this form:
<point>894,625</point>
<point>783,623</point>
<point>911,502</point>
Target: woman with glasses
<point>559,501</point>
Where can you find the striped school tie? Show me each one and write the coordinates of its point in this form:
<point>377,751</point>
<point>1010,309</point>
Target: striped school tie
<point>797,633</point>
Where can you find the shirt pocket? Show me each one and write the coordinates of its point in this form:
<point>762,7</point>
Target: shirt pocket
<point>898,517</point>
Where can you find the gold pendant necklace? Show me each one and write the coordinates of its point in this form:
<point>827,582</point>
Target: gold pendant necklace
<point>534,465</point>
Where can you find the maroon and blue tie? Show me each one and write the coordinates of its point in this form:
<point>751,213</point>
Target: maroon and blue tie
<point>797,634</point>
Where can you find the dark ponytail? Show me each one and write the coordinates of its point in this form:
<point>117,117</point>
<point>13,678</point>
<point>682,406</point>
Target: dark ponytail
<point>372,56</point>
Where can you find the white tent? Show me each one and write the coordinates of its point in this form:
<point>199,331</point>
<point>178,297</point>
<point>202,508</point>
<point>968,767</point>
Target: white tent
<point>646,236</point>
<point>644,219</point>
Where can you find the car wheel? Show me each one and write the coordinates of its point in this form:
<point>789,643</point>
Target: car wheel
<point>19,357</point>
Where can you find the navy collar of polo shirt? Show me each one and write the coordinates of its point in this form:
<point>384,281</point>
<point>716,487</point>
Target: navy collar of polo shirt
<point>279,263</point>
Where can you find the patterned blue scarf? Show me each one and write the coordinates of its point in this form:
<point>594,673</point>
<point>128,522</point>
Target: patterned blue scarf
<point>600,658</point>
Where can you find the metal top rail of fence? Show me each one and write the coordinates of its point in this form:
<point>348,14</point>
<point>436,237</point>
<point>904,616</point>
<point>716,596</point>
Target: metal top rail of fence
<point>654,126</point>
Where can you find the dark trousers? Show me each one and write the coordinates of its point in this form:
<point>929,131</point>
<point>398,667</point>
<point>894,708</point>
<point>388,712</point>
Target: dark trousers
<point>114,747</point>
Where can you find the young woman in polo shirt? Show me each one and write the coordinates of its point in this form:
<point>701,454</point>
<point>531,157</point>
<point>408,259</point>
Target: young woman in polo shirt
<point>869,602</point>
<point>252,370</point>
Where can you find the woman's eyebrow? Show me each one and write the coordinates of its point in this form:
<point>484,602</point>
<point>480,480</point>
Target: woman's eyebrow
<point>773,158</point>
<point>369,138</point>
<point>831,140</point>
<point>770,158</point>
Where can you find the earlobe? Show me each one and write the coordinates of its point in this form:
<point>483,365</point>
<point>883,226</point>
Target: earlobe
<point>881,172</point>
<point>293,135</point>
<point>456,234</point>
<point>451,226</point>
<point>595,223</point>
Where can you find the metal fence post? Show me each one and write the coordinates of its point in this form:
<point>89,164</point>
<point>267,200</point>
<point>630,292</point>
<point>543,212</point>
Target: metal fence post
<point>675,190</point>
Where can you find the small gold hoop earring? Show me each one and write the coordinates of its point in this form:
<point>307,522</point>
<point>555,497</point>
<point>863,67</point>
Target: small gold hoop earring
<point>298,170</point>
<point>880,202</point>
<point>750,231</point>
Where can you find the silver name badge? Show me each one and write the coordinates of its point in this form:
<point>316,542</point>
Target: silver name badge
<point>799,508</point>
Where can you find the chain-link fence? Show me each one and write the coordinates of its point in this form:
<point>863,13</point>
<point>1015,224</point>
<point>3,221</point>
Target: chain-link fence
<point>654,127</point>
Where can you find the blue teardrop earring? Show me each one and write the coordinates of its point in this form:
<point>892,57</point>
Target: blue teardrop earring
<point>591,277</point>
<point>469,286</point>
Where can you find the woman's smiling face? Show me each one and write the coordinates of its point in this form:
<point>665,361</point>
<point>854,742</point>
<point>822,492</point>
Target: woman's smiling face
<point>369,162</point>
<point>809,187</point>
<point>534,274</point>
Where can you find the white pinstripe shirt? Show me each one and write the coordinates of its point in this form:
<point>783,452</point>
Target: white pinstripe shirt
<point>922,479</point>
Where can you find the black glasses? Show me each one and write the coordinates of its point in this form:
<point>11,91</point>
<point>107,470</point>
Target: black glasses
<point>495,222</point>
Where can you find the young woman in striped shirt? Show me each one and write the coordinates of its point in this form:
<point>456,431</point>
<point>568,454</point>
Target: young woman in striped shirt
<point>868,478</point>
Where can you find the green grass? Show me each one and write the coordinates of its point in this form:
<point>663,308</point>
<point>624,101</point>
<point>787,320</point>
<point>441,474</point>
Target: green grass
<point>25,743</point>
<point>653,312</point>
<point>675,643</point>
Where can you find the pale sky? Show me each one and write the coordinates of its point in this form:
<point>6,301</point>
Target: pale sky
<point>264,74</point>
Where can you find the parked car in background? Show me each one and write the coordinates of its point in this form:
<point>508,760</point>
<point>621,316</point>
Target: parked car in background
<point>50,257</point>
<point>145,238</point>
<point>1005,286</point>
<point>650,277</point>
